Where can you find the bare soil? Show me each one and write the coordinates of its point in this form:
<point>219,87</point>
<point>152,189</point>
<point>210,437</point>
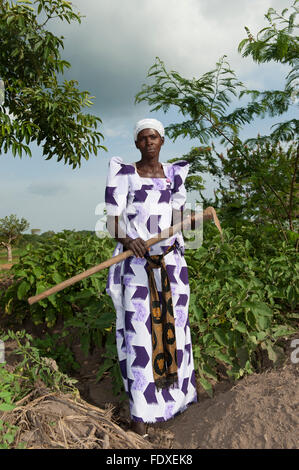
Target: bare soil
<point>5,266</point>
<point>259,412</point>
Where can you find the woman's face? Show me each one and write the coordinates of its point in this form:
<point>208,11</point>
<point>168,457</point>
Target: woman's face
<point>149,142</point>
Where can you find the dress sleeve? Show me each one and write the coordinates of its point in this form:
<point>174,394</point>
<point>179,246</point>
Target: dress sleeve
<point>179,194</point>
<point>116,187</point>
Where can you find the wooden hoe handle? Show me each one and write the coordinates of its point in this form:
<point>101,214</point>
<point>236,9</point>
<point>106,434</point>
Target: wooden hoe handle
<point>167,233</point>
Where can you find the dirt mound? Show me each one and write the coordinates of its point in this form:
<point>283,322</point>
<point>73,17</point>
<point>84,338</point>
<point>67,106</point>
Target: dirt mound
<point>259,412</point>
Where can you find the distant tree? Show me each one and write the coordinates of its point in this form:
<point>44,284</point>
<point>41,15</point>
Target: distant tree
<point>11,229</point>
<point>27,238</point>
<point>35,231</point>
<point>86,232</point>
<point>47,234</point>
<point>36,107</point>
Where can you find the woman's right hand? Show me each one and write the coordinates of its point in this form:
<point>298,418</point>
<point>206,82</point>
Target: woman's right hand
<point>138,246</point>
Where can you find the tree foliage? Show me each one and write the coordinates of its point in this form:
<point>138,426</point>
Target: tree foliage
<point>204,100</point>
<point>277,42</point>
<point>262,186</point>
<point>259,174</point>
<point>37,108</point>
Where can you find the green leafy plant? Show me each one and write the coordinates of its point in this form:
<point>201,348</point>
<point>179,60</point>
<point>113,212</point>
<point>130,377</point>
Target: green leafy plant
<point>55,347</point>
<point>86,309</point>
<point>241,302</point>
<point>17,382</point>
<point>33,367</point>
<point>10,392</point>
<point>10,388</point>
<point>49,263</point>
<point>111,365</point>
<point>7,435</point>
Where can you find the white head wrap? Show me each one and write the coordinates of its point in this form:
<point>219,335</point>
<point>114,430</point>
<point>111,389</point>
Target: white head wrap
<point>148,124</point>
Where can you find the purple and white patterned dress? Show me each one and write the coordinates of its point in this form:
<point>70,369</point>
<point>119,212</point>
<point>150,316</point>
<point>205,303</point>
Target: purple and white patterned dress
<point>144,206</point>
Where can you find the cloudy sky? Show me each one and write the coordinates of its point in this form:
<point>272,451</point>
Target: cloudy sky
<point>110,53</point>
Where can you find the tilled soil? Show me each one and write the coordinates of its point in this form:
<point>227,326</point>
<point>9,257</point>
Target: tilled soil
<point>260,412</point>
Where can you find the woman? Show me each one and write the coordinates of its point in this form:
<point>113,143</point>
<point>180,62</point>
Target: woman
<point>150,290</point>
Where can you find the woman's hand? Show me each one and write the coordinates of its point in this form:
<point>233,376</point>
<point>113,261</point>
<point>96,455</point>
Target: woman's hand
<point>137,245</point>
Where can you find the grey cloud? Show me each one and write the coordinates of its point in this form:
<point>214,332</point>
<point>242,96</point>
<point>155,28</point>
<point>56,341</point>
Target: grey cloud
<point>47,189</point>
<point>113,48</point>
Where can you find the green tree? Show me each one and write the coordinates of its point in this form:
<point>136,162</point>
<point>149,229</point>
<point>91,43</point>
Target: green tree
<point>205,104</point>
<point>277,42</point>
<point>36,107</point>
<point>262,186</point>
<point>11,229</point>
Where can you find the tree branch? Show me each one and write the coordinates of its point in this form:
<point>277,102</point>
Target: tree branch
<point>292,189</point>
